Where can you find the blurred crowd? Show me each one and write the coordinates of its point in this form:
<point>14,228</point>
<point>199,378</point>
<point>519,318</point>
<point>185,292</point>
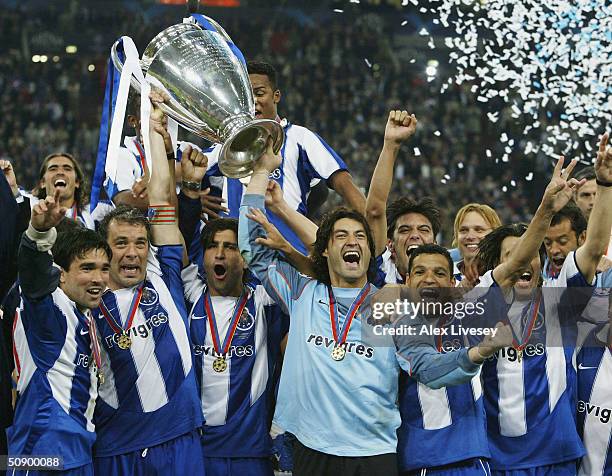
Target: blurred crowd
<point>339,77</point>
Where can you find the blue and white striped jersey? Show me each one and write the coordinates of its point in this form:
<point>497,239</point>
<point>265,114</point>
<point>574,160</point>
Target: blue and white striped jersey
<point>433,419</point>
<point>386,271</point>
<point>529,402</point>
<point>307,159</point>
<point>594,406</point>
<point>57,384</point>
<point>133,165</point>
<point>346,407</point>
<point>149,395</point>
<point>235,402</point>
<point>440,426</point>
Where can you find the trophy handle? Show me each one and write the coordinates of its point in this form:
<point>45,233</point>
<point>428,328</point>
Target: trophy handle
<point>119,65</point>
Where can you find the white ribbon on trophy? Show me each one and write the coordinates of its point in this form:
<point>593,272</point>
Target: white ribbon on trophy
<point>131,67</point>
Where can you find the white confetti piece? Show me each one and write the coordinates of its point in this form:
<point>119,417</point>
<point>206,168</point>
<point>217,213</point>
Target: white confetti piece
<point>417,151</point>
<point>437,133</point>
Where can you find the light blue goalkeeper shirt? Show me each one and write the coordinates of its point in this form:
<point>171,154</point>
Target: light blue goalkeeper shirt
<point>347,407</point>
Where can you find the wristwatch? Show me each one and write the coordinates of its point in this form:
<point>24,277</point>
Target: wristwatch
<point>193,186</point>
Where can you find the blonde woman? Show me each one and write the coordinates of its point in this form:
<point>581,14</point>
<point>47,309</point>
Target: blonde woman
<point>472,223</point>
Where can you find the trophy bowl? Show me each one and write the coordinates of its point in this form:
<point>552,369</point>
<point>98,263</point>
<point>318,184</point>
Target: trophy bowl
<point>210,93</point>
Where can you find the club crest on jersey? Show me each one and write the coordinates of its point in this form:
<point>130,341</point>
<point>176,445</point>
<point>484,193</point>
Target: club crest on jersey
<point>246,321</point>
<point>149,297</point>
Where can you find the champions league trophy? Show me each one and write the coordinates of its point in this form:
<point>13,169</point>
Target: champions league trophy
<point>210,93</point>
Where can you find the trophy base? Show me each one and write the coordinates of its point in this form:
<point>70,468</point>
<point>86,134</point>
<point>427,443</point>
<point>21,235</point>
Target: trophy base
<point>247,144</point>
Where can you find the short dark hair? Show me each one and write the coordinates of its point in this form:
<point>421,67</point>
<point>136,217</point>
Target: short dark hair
<point>216,225</point>
<point>67,225</point>
<point>489,248</point>
<point>572,213</point>
<point>324,233</point>
<point>75,243</point>
<point>430,249</point>
<point>586,173</point>
<point>80,195</point>
<point>260,67</point>
<point>404,205</point>
<point>124,214</point>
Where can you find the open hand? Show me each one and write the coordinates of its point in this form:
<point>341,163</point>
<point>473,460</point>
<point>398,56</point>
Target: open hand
<point>491,344</point>
<point>274,240</point>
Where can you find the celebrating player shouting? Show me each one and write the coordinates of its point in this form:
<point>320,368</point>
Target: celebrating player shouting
<point>337,393</point>
<point>529,388</point>
<point>148,413</point>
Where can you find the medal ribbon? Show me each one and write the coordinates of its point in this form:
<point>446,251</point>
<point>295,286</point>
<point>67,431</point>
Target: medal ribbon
<point>73,212</point>
<point>528,328</point>
<point>141,158</point>
<point>333,313</point>
<point>212,322</point>
<point>95,344</point>
<point>116,326</point>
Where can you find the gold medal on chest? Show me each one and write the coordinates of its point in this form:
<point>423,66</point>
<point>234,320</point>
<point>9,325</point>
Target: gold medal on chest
<point>124,341</point>
<point>219,364</point>
<point>338,353</point>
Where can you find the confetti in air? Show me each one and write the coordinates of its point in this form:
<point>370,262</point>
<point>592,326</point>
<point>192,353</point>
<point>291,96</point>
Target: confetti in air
<point>549,62</point>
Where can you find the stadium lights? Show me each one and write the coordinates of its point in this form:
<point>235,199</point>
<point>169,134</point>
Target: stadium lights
<point>35,58</point>
<point>71,49</point>
<point>91,68</point>
<point>56,59</point>
<point>43,58</point>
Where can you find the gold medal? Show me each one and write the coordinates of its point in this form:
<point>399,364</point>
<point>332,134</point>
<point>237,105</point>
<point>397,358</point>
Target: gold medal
<point>100,377</point>
<point>124,341</point>
<point>338,353</point>
<point>520,355</point>
<point>219,364</point>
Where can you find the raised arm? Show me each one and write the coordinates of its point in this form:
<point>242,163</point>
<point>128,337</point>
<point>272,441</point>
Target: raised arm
<point>400,126</point>
<point>274,240</point>
<point>343,184</point>
<point>300,224</point>
<point>162,197</point>
<point>193,167</point>
<point>600,220</point>
<point>557,194</point>
<point>37,275</point>
<point>418,356</point>
<point>281,280</point>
